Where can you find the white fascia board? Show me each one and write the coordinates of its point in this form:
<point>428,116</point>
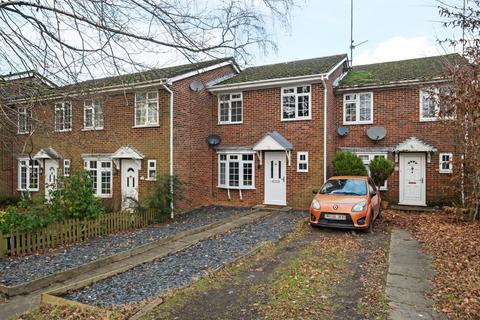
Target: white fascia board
<point>393,84</point>
<point>203,70</point>
<point>335,67</point>
<point>267,83</point>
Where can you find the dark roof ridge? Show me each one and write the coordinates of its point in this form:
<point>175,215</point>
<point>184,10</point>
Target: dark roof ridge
<point>407,60</point>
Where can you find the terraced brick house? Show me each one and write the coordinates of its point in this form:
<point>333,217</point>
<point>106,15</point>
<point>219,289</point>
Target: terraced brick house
<point>264,135</point>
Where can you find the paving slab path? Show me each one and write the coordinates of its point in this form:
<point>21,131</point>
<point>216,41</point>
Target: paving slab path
<point>19,304</point>
<point>409,279</point>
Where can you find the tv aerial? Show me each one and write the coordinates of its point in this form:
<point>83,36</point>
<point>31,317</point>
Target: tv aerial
<point>353,45</point>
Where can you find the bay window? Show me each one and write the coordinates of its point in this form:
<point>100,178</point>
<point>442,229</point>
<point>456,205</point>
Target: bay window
<point>236,171</point>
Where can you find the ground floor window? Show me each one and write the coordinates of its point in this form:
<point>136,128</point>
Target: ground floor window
<point>236,171</point>
<point>302,161</point>
<point>367,157</point>
<point>446,163</point>
<point>152,169</point>
<point>28,172</point>
<point>100,172</point>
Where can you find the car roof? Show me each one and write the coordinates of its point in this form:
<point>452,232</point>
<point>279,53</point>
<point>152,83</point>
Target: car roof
<point>364,178</point>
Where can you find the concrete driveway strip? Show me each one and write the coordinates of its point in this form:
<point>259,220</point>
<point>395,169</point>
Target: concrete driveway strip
<point>409,279</point>
<point>19,304</point>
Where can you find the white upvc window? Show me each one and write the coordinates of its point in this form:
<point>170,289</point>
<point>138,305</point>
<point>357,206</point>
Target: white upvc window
<point>358,108</point>
<point>100,172</point>
<point>66,167</point>
<point>152,170</point>
<point>236,171</point>
<point>446,165</point>
<point>93,115</point>
<point>430,107</point>
<point>24,120</point>
<point>367,158</point>
<point>63,116</point>
<point>146,109</point>
<point>28,174</point>
<point>296,103</point>
<point>302,161</point>
<point>230,108</point>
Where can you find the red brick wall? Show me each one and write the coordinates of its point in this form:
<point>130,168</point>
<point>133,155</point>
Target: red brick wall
<point>192,124</point>
<point>398,110</point>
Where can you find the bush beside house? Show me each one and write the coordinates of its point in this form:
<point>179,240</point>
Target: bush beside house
<point>347,163</point>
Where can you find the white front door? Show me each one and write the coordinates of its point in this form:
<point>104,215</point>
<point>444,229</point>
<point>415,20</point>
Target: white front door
<point>275,178</point>
<point>51,172</point>
<point>412,179</point>
<point>129,183</point>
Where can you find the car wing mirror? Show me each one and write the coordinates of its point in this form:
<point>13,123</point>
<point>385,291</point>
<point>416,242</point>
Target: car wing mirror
<point>373,193</point>
<point>315,191</point>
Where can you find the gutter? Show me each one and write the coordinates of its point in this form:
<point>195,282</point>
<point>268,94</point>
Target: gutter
<point>172,215</point>
<point>325,116</point>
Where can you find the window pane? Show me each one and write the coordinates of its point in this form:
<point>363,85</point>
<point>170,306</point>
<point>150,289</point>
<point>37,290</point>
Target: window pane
<point>106,179</point>
<point>304,89</point>
<point>222,173</point>
<point>428,107</point>
<point>303,108</point>
<point>247,174</point>
<point>88,118</point>
<point>233,174</point>
<point>288,107</point>
<point>98,115</point>
<point>236,111</point>
<point>365,107</point>
<point>350,112</point>
<point>224,116</point>
<point>152,113</point>
<point>141,113</point>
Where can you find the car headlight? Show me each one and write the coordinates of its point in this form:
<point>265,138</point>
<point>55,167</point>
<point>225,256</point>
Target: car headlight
<point>316,204</point>
<point>359,206</point>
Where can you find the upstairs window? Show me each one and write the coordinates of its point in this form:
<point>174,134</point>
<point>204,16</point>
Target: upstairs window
<point>296,103</point>
<point>236,171</point>
<point>358,108</point>
<point>63,116</point>
<point>28,172</point>
<point>230,108</point>
<point>430,107</point>
<point>146,109</point>
<point>446,165</point>
<point>93,115</point>
<point>24,120</point>
<point>100,172</point>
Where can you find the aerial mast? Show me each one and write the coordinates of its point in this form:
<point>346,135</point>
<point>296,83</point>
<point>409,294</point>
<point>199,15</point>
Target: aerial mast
<point>352,42</point>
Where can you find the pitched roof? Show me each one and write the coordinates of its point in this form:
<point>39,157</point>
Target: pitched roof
<point>148,75</point>
<point>307,67</point>
<point>421,69</point>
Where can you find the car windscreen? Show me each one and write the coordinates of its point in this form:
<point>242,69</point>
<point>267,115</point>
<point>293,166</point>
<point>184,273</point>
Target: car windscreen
<point>350,187</point>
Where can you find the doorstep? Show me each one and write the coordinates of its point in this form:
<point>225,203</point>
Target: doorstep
<point>413,208</point>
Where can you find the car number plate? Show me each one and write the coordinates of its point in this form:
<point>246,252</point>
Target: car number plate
<point>335,216</point>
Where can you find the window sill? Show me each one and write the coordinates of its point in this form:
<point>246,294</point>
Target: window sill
<point>297,119</point>
<point>227,123</point>
<point>147,126</point>
<point>302,171</point>
<point>445,172</point>
<point>104,196</point>
<point>152,180</point>
<point>428,119</point>
<point>68,130</point>
<point>31,190</point>
<point>92,129</point>
<point>357,123</point>
<point>236,188</point>
<point>23,133</point>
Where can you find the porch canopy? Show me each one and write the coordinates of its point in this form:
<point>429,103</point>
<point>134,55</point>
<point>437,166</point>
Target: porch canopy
<point>414,144</point>
<point>47,154</point>
<point>273,141</point>
<point>126,152</point>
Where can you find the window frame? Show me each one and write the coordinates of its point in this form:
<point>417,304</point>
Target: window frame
<point>230,100</point>
<point>357,108</point>
<point>295,88</point>
<point>371,156</point>
<point>441,162</point>
<point>299,154</point>
<point>438,107</point>
<point>241,170</point>
<point>147,101</point>
<point>61,106</point>
<point>154,169</point>
<point>91,106</point>
<point>99,170</point>
<point>27,113</point>
<point>28,175</point>
<point>67,164</point>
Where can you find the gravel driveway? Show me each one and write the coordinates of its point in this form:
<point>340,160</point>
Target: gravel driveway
<point>21,269</point>
<point>154,278</point>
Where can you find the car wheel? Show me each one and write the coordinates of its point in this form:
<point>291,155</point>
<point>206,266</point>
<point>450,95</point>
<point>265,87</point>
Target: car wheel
<point>370,225</point>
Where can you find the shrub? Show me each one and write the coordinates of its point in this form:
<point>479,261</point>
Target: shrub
<point>160,198</point>
<point>347,163</point>
<point>28,216</point>
<point>381,169</point>
<point>75,198</point>
<point>8,200</point>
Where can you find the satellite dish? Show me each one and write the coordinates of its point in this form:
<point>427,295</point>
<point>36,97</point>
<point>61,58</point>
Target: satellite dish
<point>213,139</point>
<point>342,131</point>
<point>196,86</point>
<point>376,133</point>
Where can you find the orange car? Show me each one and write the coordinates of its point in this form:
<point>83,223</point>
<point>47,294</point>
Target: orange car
<point>346,202</point>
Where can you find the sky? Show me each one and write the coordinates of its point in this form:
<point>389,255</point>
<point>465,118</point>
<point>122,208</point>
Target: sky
<point>393,29</point>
